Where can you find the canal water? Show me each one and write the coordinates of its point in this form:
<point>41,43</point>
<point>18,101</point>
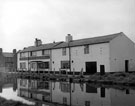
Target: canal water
<point>48,93</point>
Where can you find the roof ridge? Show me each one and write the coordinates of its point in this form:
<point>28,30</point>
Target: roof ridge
<point>91,40</point>
<point>116,34</point>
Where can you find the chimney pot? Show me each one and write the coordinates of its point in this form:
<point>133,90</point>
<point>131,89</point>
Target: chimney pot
<point>69,38</point>
<point>38,42</point>
<point>14,51</point>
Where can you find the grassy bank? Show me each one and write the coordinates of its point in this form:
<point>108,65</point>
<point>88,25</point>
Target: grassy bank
<point>4,102</point>
<point>120,78</point>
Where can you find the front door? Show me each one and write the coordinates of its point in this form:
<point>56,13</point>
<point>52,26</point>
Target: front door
<point>102,69</point>
<point>91,67</point>
<point>126,65</point>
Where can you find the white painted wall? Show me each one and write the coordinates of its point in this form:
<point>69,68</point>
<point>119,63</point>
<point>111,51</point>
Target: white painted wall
<point>26,54</point>
<point>121,49</point>
<point>57,57</point>
<point>98,52</point>
<point>20,61</point>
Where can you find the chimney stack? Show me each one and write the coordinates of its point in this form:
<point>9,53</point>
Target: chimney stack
<point>69,38</point>
<point>38,42</point>
<point>14,51</point>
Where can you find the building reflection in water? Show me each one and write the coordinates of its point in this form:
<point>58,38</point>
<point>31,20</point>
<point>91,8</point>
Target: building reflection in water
<point>8,88</point>
<point>72,94</point>
<point>8,81</point>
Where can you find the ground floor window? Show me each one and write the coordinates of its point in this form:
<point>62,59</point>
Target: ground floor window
<point>43,65</point>
<point>33,65</point>
<point>22,65</point>
<point>65,65</point>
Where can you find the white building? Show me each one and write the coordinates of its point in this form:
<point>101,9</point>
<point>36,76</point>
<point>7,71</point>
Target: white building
<point>110,53</point>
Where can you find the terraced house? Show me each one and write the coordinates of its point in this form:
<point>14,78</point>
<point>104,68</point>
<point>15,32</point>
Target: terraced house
<point>110,53</point>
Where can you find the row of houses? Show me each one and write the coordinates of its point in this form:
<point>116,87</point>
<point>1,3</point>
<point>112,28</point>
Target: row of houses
<point>109,53</point>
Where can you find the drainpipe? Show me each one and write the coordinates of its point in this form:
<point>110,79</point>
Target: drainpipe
<point>50,63</point>
<point>69,57</point>
<point>28,61</point>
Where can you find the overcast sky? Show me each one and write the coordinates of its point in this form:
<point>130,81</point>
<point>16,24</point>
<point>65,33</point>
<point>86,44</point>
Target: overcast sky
<point>21,21</point>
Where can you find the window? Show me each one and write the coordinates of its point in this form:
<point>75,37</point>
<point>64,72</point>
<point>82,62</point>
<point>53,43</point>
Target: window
<point>87,103</point>
<point>33,53</point>
<point>64,100</point>
<point>86,49</point>
<point>33,65</point>
<point>23,65</point>
<point>45,52</point>
<point>23,82</point>
<point>9,64</point>
<point>22,54</point>
<point>8,59</point>
<point>43,85</point>
<point>43,65</point>
<point>65,65</point>
<point>63,51</point>
<point>65,87</point>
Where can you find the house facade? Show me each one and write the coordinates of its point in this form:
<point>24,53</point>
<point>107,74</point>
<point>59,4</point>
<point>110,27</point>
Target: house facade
<point>37,57</point>
<point>110,53</point>
<point>8,61</point>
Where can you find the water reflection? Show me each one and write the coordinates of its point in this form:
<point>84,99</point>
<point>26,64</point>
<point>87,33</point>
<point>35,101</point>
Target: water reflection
<point>8,88</point>
<point>48,93</point>
<point>73,94</point>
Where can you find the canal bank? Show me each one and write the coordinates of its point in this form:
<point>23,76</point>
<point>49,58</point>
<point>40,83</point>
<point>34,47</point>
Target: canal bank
<point>119,78</point>
<point>4,102</point>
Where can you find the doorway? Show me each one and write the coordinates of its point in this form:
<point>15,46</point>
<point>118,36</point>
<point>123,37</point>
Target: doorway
<point>126,65</point>
<point>91,67</point>
<point>102,69</point>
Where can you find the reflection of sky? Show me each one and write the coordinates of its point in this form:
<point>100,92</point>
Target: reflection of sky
<point>8,93</point>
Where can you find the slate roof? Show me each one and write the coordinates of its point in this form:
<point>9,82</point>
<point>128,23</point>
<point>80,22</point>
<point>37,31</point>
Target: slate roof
<point>42,47</point>
<point>90,41</point>
<point>5,54</point>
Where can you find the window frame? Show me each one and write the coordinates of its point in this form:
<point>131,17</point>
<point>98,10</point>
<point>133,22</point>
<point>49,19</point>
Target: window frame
<point>64,51</point>
<point>65,66</point>
<point>86,49</point>
<point>33,53</point>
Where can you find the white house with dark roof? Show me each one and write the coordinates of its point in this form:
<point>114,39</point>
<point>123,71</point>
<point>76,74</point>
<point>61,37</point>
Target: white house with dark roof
<point>35,58</point>
<point>110,53</point>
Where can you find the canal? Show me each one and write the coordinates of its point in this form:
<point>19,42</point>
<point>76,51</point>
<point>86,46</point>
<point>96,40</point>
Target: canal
<point>49,93</point>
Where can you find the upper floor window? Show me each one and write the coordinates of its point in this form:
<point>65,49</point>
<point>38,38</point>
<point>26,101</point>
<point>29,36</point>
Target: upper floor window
<point>22,54</point>
<point>33,53</point>
<point>45,52</point>
<point>86,49</point>
<point>63,51</point>
<point>9,59</point>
